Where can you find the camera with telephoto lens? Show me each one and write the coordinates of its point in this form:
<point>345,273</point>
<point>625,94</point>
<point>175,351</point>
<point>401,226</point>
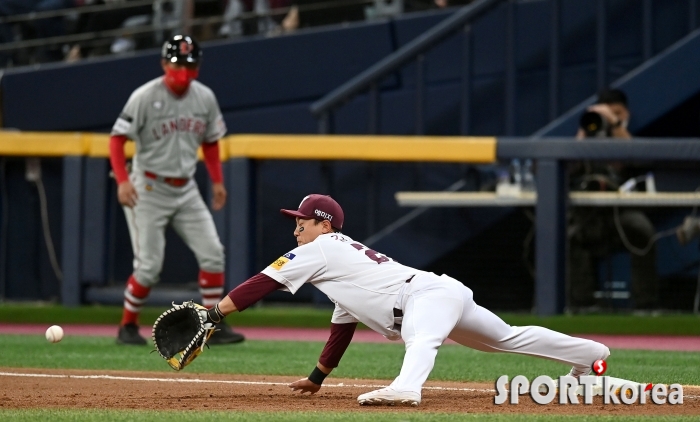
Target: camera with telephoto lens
<point>594,125</point>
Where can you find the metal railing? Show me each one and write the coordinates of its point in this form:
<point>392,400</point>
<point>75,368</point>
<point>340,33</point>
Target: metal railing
<point>415,51</point>
<point>160,22</point>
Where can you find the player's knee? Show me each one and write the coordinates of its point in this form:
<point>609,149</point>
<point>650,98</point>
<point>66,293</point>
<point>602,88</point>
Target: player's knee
<point>147,275</point>
<point>214,260</point>
<point>428,341</point>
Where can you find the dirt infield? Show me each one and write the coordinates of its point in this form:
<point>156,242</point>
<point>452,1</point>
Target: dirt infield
<point>44,388</point>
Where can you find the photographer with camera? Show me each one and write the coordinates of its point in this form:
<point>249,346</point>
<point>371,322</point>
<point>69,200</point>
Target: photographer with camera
<point>608,118</point>
<point>595,233</point>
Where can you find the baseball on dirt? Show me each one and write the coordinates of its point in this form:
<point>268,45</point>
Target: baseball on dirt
<point>54,334</point>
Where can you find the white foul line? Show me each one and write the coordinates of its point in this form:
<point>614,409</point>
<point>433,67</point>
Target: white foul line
<point>197,380</point>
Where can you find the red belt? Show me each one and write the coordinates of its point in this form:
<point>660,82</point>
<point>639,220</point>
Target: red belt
<point>172,181</point>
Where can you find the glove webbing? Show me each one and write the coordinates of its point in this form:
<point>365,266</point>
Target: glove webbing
<point>201,334</point>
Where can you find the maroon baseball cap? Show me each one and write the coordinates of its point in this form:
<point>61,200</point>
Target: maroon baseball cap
<point>319,207</point>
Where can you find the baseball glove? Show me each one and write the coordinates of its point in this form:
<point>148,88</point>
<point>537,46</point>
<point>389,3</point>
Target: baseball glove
<point>181,332</point>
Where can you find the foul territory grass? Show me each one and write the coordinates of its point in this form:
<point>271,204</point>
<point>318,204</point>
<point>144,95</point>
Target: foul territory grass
<point>134,415</point>
<point>362,360</point>
<point>309,317</point>
<point>270,316</point>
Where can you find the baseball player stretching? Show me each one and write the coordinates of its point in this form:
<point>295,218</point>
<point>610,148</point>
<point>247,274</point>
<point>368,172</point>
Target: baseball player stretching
<point>169,118</point>
<point>395,300</point>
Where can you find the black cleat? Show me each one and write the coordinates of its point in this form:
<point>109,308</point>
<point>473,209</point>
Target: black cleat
<point>225,335</point>
<point>129,334</point>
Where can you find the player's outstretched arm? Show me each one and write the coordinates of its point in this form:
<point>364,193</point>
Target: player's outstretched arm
<point>246,294</point>
<point>337,344</point>
<point>226,306</point>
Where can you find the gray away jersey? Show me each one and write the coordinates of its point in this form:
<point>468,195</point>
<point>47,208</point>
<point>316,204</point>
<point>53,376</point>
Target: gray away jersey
<point>168,130</point>
<point>362,283</point>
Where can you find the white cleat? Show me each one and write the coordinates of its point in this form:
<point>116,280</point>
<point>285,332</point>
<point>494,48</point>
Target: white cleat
<point>389,396</point>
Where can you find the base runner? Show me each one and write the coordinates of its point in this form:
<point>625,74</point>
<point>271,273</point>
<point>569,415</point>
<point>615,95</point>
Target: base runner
<point>395,300</point>
<point>169,118</point>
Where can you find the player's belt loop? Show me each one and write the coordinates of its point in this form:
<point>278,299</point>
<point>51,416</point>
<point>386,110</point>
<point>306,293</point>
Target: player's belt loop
<point>410,278</point>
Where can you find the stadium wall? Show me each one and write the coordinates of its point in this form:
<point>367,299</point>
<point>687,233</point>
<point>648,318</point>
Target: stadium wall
<point>265,85</point>
<point>90,226</point>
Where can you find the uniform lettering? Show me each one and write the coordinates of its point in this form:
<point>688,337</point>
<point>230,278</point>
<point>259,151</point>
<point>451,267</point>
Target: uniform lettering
<point>181,125</point>
<point>323,215</point>
<point>198,127</point>
<point>371,254</point>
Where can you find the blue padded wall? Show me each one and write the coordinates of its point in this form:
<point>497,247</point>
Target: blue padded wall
<point>265,85</point>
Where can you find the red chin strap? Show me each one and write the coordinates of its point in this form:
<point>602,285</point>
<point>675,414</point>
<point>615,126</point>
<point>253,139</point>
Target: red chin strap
<point>179,79</point>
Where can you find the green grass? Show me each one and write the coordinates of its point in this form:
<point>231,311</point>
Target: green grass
<point>675,324</point>
<point>308,317</point>
<point>270,316</point>
<point>134,415</point>
<point>362,360</point>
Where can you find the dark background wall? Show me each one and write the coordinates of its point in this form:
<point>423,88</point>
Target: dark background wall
<point>265,85</point>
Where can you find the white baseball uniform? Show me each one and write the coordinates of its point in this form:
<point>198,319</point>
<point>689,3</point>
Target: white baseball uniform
<point>367,286</point>
<point>167,131</point>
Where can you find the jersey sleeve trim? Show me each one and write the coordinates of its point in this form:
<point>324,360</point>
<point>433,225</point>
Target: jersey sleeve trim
<point>280,279</point>
<point>122,126</point>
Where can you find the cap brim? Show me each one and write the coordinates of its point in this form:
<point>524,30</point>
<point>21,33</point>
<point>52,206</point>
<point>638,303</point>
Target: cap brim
<point>294,214</point>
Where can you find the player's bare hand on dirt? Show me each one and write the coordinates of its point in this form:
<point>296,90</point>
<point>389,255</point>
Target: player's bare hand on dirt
<point>305,386</point>
<point>218,196</point>
<point>126,193</point>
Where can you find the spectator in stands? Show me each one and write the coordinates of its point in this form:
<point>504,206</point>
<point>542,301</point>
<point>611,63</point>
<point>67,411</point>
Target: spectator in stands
<point>595,233</point>
<point>269,19</point>
<point>40,28</point>
<point>108,20</point>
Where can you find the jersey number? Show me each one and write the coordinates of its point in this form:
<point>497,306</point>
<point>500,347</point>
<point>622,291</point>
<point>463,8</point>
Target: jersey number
<point>371,254</point>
